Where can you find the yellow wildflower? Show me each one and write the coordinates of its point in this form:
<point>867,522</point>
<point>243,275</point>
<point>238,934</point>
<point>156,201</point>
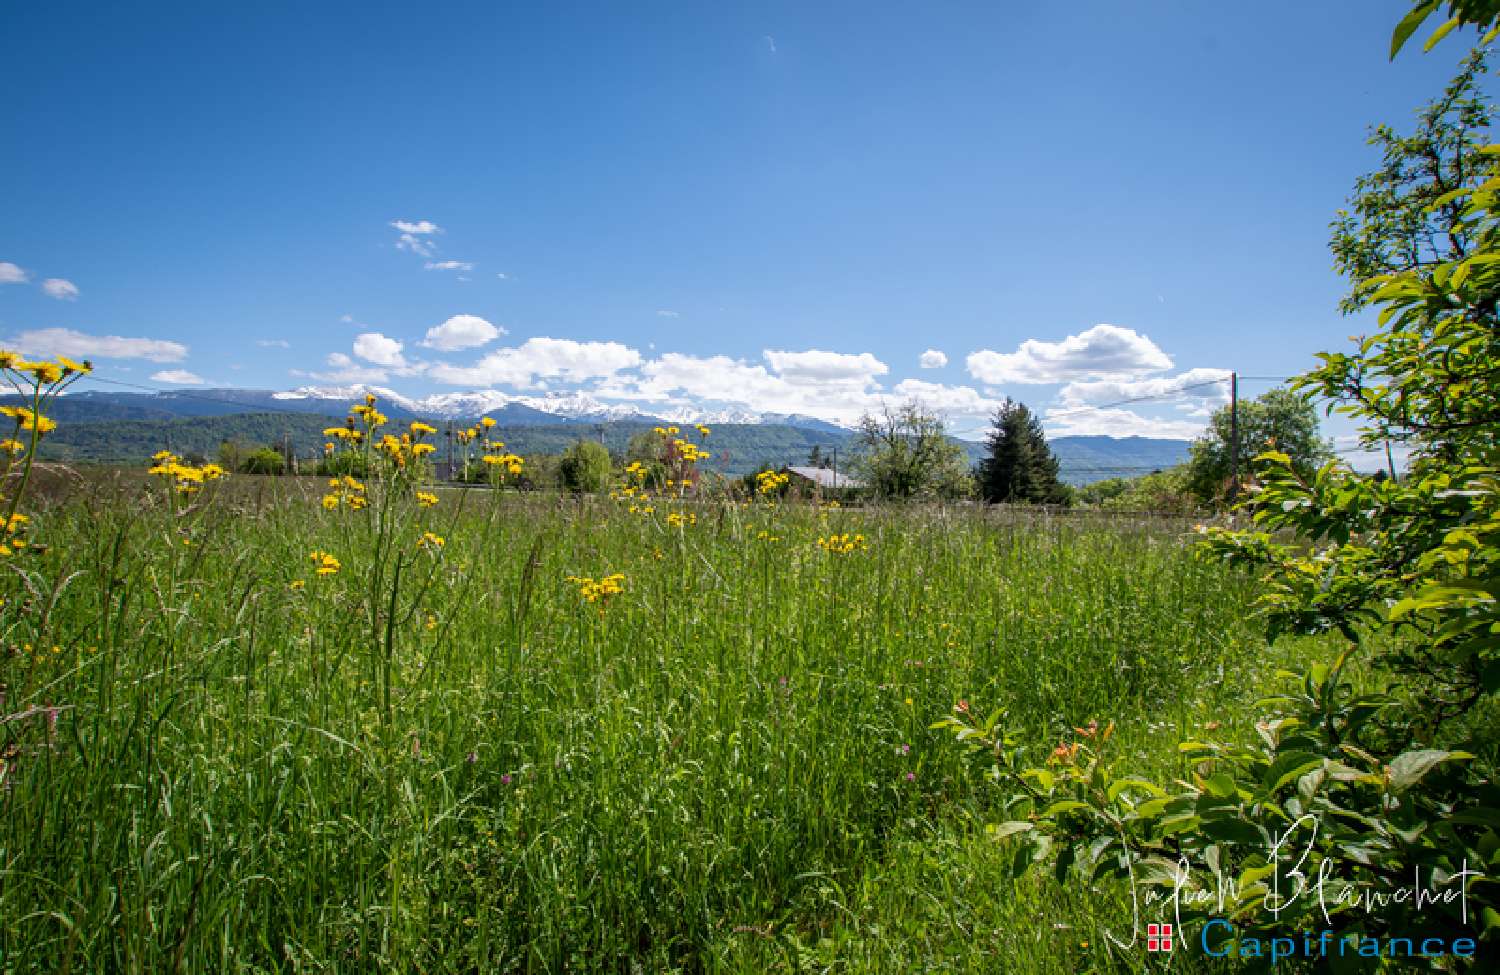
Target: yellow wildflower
<point>324,563</point>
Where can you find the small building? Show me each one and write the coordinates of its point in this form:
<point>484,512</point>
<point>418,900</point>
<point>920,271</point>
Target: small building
<point>821,480</point>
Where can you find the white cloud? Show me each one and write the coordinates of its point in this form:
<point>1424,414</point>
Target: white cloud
<point>829,385</point>
<point>668,313</point>
<point>60,288</point>
<point>378,349</point>
<point>462,332</point>
<point>78,345</point>
<point>1196,384</point>
<point>817,366</point>
<point>965,400</point>
<point>180,377</point>
<point>11,274</point>
<point>503,276</point>
<point>347,319</point>
<point>1091,421</point>
<point>1102,352</point>
<point>344,371</point>
<point>541,358</point>
<point>448,266</point>
<point>415,234</point>
<point>933,359</point>
<point>273,343</point>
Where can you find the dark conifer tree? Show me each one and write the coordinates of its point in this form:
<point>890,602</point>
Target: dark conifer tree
<point>1020,468</point>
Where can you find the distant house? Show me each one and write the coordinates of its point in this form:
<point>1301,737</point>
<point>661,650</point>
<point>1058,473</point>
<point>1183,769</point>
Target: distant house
<point>822,479</point>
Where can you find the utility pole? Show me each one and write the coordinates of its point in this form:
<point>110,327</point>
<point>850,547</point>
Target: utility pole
<point>835,466</point>
<point>449,434</point>
<point>1234,435</point>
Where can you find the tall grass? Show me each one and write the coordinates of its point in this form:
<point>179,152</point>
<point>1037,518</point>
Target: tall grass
<point>218,761</point>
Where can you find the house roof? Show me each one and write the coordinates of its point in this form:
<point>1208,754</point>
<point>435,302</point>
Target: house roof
<point>825,478</point>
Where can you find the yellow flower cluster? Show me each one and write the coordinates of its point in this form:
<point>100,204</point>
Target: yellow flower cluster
<point>186,478</point>
<point>680,520</point>
<point>765,536</point>
<point>511,463</point>
<point>689,452</point>
<point>426,499</point>
<point>841,544</point>
<point>599,590</point>
<point>430,542</point>
<point>367,412</point>
<point>27,420</point>
<point>769,482</point>
<point>324,563</point>
<point>345,491</point>
<point>12,536</point>
<point>45,373</point>
<point>406,448</point>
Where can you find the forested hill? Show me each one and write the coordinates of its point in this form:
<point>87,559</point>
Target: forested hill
<point>737,448</point>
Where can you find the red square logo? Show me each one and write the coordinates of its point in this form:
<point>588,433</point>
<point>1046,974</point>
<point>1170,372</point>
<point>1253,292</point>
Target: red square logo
<point>1158,937</point>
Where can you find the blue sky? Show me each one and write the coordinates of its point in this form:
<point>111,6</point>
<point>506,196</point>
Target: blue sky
<point>770,206</point>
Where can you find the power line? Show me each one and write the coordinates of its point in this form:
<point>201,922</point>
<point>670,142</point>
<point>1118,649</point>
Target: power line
<point>1139,399</point>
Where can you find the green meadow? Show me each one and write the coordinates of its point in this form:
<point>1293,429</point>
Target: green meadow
<point>446,757</point>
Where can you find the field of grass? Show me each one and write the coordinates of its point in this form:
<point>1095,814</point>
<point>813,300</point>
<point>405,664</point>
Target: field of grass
<point>445,758</point>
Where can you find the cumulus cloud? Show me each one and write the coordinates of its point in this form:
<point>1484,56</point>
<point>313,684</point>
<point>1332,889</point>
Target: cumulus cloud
<point>379,349</point>
<point>344,370</point>
<point>1092,421</point>
<point>1203,385</point>
<point>817,366</point>
<point>541,358</point>
<point>60,288</point>
<point>79,345</point>
<point>415,236</point>
<point>448,266</point>
<point>462,332</point>
<point>180,377</point>
<point>965,400</point>
<point>933,359</point>
<point>11,274</point>
<point>1102,352</point>
<point>833,386</point>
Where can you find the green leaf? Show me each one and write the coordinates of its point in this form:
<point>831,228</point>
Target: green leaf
<point>1000,831</point>
<point>1408,768</point>
<point>1439,34</point>
<point>1120,785</point>
<point>1220,784</point>
<point>1064,805</point>
<point>1288,768</point>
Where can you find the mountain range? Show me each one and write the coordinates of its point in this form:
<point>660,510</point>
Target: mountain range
<point>113,426</point>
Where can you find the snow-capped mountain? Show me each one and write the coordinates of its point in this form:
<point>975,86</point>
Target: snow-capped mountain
<point>579,407</point>
<point>473,404</point>
<point>544,409</point>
